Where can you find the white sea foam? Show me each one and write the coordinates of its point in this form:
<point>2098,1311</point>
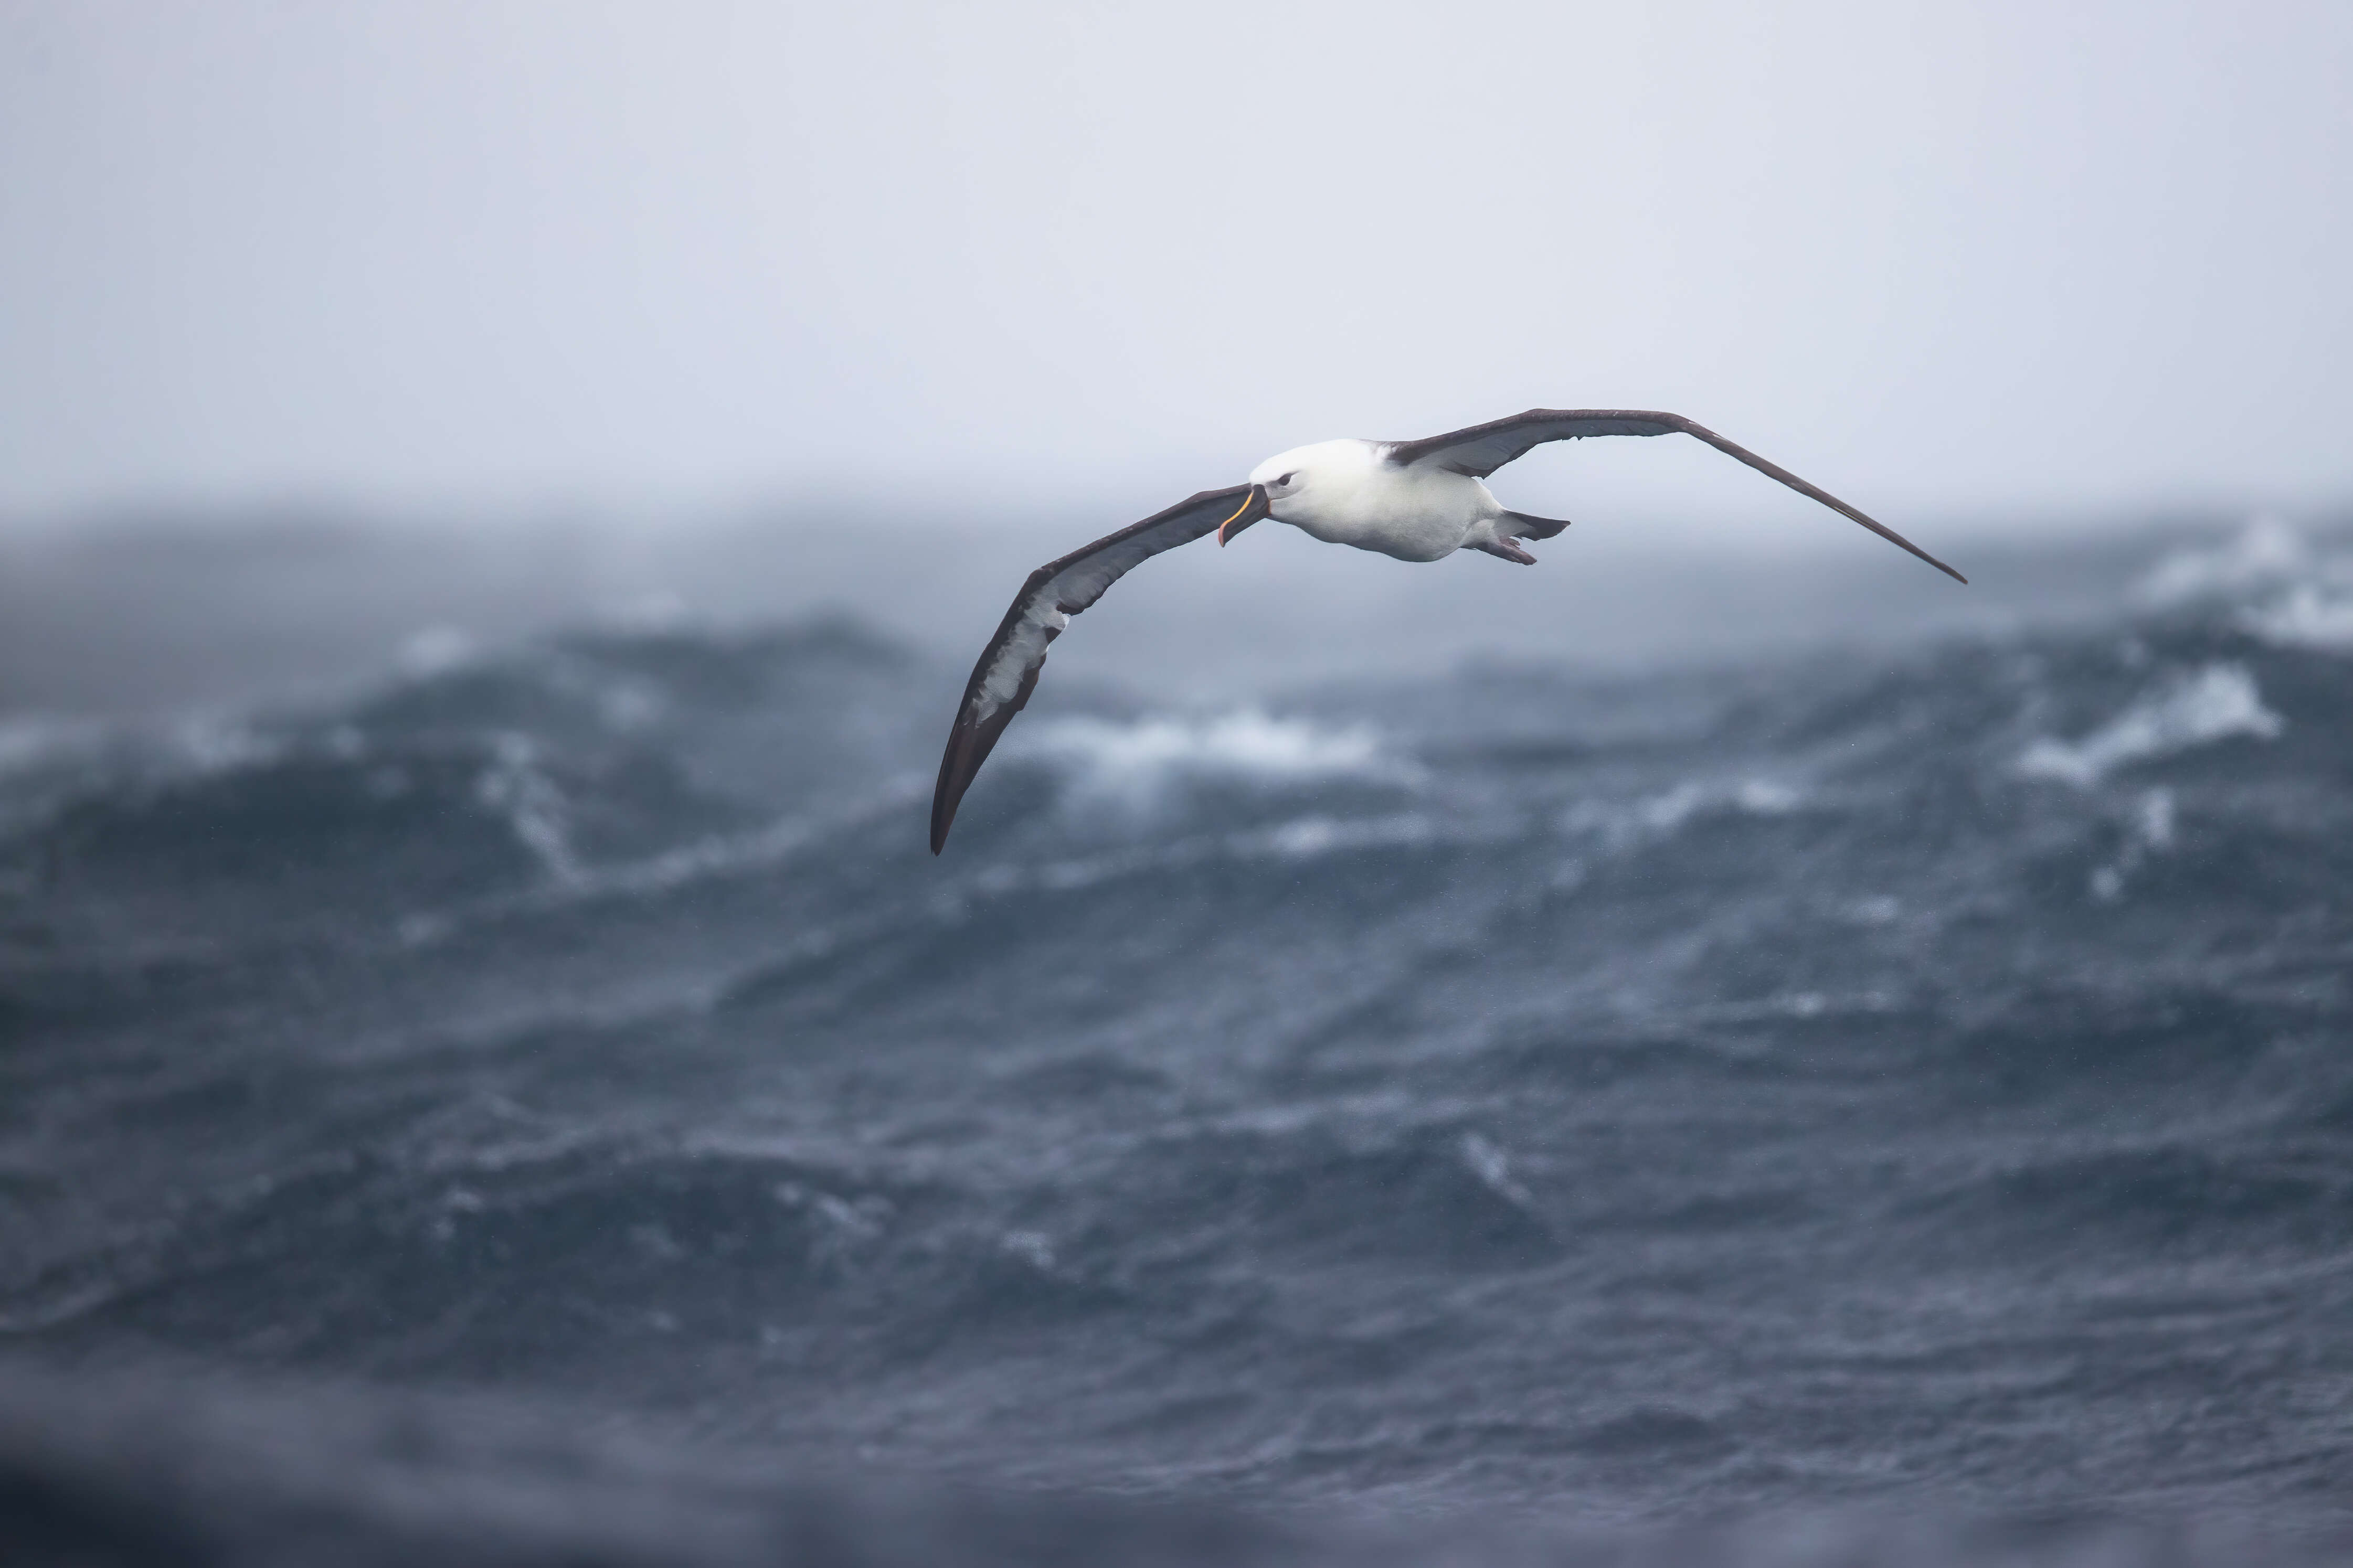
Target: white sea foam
<point>514,786</point>
<point>2149,832</point>
<point>1665,813</point>
<point>1134,762</point>
<point>1662,815</point>
<point>2305,617</point>
<point>1767,797</point>
<point>2212,704</point>
<point>1493,1166</point>
<point>1305,838</point>
<point>2264,554</point>
<point>2293,594</point>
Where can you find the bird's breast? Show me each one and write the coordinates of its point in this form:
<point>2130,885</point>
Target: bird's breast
<point>1405,513</point>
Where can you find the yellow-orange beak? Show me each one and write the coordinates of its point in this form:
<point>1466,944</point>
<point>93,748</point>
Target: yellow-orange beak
<point>1256,507</point>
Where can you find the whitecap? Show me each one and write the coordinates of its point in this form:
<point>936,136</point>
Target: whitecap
<point>2265,554</point>
<point>1493,1166</point>
<point>1662,815</point>
<point>1033,1247</point>
<point>1767,797</point>
<point>1306,838</point>
<point>2305,617</point>
<point>1134,762</point>
<point>513,786</point>
<point>2149,832</point>
<point>2216,702</point>
<point>1665,813</point>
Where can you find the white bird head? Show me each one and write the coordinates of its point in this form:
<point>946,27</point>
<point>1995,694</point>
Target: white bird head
<point>1279,485</point>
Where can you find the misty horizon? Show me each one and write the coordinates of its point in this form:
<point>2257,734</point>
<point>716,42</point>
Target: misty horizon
<point>133,618</point>
<point>1949,264</point>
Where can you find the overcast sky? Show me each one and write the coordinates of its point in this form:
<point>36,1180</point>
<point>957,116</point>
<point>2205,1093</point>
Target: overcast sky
<point>1974,261</point>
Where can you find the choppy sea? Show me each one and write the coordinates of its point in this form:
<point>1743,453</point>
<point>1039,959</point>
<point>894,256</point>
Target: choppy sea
<point>549,1101</point>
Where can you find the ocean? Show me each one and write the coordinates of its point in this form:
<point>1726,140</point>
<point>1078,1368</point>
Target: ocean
<point>544,1093</point>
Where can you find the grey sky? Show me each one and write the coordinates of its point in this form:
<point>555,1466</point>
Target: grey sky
<point>1964,259</point>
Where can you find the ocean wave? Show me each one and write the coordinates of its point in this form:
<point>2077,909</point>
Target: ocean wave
<point>1607,1059</point>
<point>2213,703</point>
<point>1298,838</point>
<point>2266,553</point>
<point>2306,616</point>
<point>2149,830</point>
<point>1662,814</point>
<point>515,787</point>
<point>38,741</point>
<point>156,1464</point>
<point>1135,762</point>
<point>712,858</point>
<point>2164,1196</point>
<point>403,826</point>
<point>2280,587</point>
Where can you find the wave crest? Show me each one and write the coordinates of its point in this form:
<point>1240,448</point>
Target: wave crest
<point>2217,702</point>
<point>1135,762</point>
<point>2290,594</point>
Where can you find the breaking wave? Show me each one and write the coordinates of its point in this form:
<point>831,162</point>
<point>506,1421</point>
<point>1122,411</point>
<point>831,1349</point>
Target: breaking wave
<point>2284,590</point>
<point>1136,760</point>
<point>2213,703</point>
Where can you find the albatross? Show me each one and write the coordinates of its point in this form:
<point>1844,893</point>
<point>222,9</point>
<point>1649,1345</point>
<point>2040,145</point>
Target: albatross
<point>1416,500</point>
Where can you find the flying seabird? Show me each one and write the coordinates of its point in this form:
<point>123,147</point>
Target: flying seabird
<point>1416,500</point>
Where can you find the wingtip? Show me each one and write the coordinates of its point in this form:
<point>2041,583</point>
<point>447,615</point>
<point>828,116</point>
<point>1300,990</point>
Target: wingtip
<point>945,801</point>
<point>943,808</point>
<point>1931,560</point>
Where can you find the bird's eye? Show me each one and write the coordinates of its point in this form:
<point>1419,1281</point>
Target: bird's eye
<point>1286,479</point>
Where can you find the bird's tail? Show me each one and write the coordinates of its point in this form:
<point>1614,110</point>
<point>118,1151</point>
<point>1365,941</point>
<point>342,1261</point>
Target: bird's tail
<point>1520,525</point>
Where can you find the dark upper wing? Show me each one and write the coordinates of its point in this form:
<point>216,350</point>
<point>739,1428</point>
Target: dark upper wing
<point>1483,448</point>
<point>1007,671</point>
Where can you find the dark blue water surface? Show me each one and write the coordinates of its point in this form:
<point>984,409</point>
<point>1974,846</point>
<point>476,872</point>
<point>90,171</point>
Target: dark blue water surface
<point>1914,1078</point>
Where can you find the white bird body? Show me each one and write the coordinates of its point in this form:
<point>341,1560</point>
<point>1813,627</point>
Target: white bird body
<point>1414,500</point>
<point>1348,492</point>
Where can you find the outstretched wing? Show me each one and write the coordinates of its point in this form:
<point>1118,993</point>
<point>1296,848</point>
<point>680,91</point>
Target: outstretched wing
<point>1483,448</point>
<point>1007,671</point>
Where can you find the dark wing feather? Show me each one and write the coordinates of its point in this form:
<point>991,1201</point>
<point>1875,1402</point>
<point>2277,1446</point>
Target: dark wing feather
<point>1483,448</point>
<point>1007,671</point>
